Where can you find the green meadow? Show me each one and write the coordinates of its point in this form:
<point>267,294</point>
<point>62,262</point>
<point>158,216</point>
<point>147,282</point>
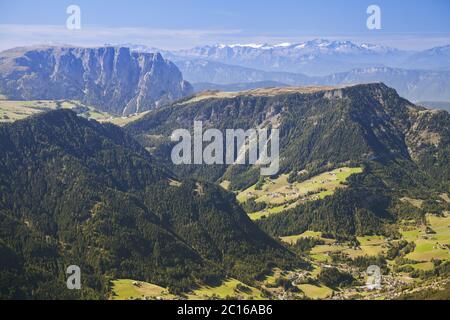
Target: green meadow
<point>430,246</point>
<point>279,195</point>
<point>11,110</point>
<point>229,288</point>
<point>126,289</point>
<point>315,292</point>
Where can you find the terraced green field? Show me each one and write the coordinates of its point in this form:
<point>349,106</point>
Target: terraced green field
<point>11,111</point>
<point>229,288</point>
<point>315,292</point>
<point>307,234</point>
<point>15,110</point>
<point>123,121</point>
<point>430,246</point>
<point>370,246</point>
<point>280,195</point>
<point>424,266</point>
<point>126,289</point>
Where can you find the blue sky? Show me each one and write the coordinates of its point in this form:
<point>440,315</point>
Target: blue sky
<point>171,24</point>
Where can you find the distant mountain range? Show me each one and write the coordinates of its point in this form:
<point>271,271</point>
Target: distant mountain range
<point>220,73</point>
<point>434,59</point>
<point>112,79</point>
<point>126,80</point>
<point>415,85</point>
<point>415,75</point>
<point>315,58</point>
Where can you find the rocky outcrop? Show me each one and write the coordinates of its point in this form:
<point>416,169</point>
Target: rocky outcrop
<point>110,78</point>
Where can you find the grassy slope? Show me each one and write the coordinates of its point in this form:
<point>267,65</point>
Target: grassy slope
<point>315,292</point>
<point>370,246</point>
<point>11,111</point>
<point>227,289</point>
<point>280,195</point>
<point>428,247</point>
<point>124,289</point>
<point>431,246</point>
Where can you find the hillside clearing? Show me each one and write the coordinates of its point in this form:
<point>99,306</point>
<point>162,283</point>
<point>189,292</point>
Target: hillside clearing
<point>279,195</point>
<point>126,289</point>
<point>315,292</point>
<point>12,110</point>
<point>229,288</point>
<point>430,246</point>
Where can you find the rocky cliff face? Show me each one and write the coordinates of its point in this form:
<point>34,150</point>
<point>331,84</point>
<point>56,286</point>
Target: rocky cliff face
<point>112,79</point>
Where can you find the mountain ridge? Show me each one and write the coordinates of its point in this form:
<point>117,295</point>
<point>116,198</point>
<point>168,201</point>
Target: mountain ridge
<point>403,149</point>
<point>415,85</point>
<point>111,79</point>
<point>315,57</point>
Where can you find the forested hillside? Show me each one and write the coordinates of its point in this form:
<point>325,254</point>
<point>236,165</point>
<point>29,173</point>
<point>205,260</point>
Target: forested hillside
<point>403,150</point>
<point>76,192</point>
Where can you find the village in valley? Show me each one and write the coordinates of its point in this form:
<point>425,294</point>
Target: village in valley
<point>371,267</point>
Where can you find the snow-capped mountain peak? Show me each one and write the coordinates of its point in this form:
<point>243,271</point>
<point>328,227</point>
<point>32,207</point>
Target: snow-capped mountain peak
<point>316,56</point>
<point>316,46</point>
<point>248,45</point>
<point>283,45</point>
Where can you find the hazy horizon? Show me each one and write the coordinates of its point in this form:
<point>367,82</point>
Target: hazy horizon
<point>170,25</point>
<point>431,44</point>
